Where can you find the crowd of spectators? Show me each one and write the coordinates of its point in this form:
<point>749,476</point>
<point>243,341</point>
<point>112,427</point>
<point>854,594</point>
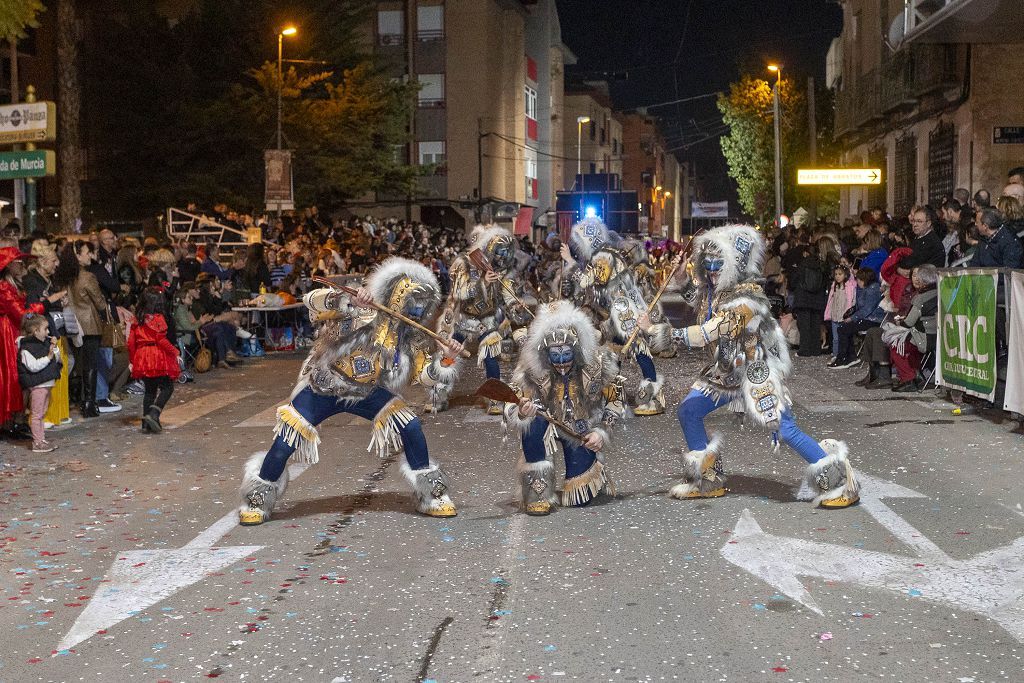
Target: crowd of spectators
<point>861,293</point>
<point>865,293</point>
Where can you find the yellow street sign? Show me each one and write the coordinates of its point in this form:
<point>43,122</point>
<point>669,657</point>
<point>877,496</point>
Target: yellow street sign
<point>28,122</point>
<point>839,176</point>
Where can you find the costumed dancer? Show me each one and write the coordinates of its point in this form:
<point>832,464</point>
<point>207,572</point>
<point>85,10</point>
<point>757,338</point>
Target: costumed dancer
<point>750,362</point>
<point>360,363</point>
<point>598,278</point>
<point>483,304</point>
<point>563,369</point>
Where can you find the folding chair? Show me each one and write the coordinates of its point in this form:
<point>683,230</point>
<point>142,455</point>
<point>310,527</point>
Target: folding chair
<point>927,361</point>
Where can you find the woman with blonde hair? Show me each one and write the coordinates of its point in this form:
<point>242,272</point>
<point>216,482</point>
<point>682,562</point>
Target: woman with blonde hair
<point>39,289</point>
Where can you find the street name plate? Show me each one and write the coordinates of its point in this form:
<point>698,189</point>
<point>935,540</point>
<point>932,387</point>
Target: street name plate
<point>27,164</point>
<point>839,176</point>
<point>28,122</point>
<point>1008,135</point>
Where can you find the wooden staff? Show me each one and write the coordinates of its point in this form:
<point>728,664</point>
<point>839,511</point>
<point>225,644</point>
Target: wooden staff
<point>496,390</point>
<point>478,259</point>
<point>394,314</point>
<point>676,262</point>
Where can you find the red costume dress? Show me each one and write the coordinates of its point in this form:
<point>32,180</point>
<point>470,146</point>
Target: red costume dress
<point>12,307</point>
<point>151,353</point>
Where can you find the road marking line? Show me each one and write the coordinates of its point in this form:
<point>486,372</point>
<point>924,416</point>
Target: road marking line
<point>138,579</point>
<point>264,418</point>
<point>181,415</point>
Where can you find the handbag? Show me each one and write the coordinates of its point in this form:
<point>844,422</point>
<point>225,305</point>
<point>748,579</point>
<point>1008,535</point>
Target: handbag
<point>112,336</point>
<point>204,360</point>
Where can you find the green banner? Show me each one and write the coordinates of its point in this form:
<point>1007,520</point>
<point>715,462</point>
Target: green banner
<point>967,332</point>
<point>27,164</point>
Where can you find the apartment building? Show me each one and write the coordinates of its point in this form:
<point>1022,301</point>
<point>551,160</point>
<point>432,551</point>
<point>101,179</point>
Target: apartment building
<point>490,105</point>
<point>592,132</point>
<point>925,91</point>
<point>654,172</point>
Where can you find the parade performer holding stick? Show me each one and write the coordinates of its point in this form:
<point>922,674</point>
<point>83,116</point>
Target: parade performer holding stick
<point>485,304</point>
<point>567,391</point>
<point>369,346</point>
<point>599,279</point>
<point>750,362</point>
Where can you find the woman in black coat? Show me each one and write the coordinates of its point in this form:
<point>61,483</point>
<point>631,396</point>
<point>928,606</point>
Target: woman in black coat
<point>809,285</point>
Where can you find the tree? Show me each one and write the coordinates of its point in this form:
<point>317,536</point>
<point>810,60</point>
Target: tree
<point>749,148</point>
<point>18,15</point>
<point>69,95</point>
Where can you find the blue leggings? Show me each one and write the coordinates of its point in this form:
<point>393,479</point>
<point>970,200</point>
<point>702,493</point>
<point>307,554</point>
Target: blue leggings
<point>316,408</point>
<point>696,406</point>
<point>491,367</point>
<point>578,459</point>
<point>646,364</point>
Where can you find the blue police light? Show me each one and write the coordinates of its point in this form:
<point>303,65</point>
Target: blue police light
<point>590,212</point>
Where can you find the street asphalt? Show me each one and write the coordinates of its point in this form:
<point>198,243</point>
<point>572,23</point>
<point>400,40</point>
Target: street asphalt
<point>120,560</point>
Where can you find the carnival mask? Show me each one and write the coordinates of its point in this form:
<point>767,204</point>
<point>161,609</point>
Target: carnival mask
<point>602,270</point>
<point>561,358</point>
<point>410,297</point>
<point>502,254</point>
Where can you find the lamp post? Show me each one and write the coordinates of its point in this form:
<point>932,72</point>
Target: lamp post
<point>580,120</point>
<point>777,69</point>
<point>288,31</point>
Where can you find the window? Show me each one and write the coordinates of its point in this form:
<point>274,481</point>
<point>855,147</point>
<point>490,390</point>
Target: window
<point>905,176</point>
<point>531,102</point>
<point>941,163</point>
<point>432,152</point>
<point>389,26</point>
<point>431,90</point>
<point>615,145</point>
<point>530,170</point>
<point>430,22</point>
<point>593,129</point>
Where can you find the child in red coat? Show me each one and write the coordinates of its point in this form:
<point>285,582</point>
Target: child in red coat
<point>154,359</point>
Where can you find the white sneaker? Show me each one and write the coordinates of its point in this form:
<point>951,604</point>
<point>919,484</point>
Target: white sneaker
<point>107,406</point>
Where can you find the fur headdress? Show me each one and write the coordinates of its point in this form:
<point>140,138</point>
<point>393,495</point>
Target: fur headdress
<point>741,246</point>
<point>382,280</point>
<point>553,318</point>
<point>587,236</point>
<point>482,235</point>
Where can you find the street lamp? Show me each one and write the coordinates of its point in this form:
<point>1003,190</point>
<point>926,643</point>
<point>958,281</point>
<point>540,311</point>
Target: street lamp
<point>777,69</point>
<point>287,31</point>
<point>580,120</point>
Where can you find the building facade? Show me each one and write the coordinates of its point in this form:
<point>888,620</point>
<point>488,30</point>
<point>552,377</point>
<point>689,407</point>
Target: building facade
<point>592,132</point>
<point>925,93</point>
<point>488,112</point>
<point>654,172</point>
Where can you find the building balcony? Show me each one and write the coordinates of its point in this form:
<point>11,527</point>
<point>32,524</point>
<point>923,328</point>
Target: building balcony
<point>897,87</point>
<point>964,21</point>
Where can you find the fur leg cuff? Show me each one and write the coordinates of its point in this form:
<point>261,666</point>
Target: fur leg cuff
<point>702,472</point>
<point>535,482</point>
<point>430,487</point>
<point>830,478</point>
<point>258,495</point>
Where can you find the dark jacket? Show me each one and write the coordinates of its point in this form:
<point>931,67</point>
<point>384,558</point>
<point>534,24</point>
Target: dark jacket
<point>1001,250</point>
<point>810,269</point>
<point>926,249</point>
<point>38,349</point>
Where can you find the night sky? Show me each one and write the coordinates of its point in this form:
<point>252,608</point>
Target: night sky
<point>635,44</point>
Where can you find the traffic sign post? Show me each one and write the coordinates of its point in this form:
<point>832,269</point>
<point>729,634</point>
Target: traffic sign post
<point>839,176</point>
<point>28,122</point>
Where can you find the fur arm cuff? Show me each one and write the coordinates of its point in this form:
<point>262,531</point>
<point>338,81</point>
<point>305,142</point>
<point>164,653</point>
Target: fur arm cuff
<point>440,371</point>
<point>659,337</point>
<point>513,420</point>
<point>606,438</point>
